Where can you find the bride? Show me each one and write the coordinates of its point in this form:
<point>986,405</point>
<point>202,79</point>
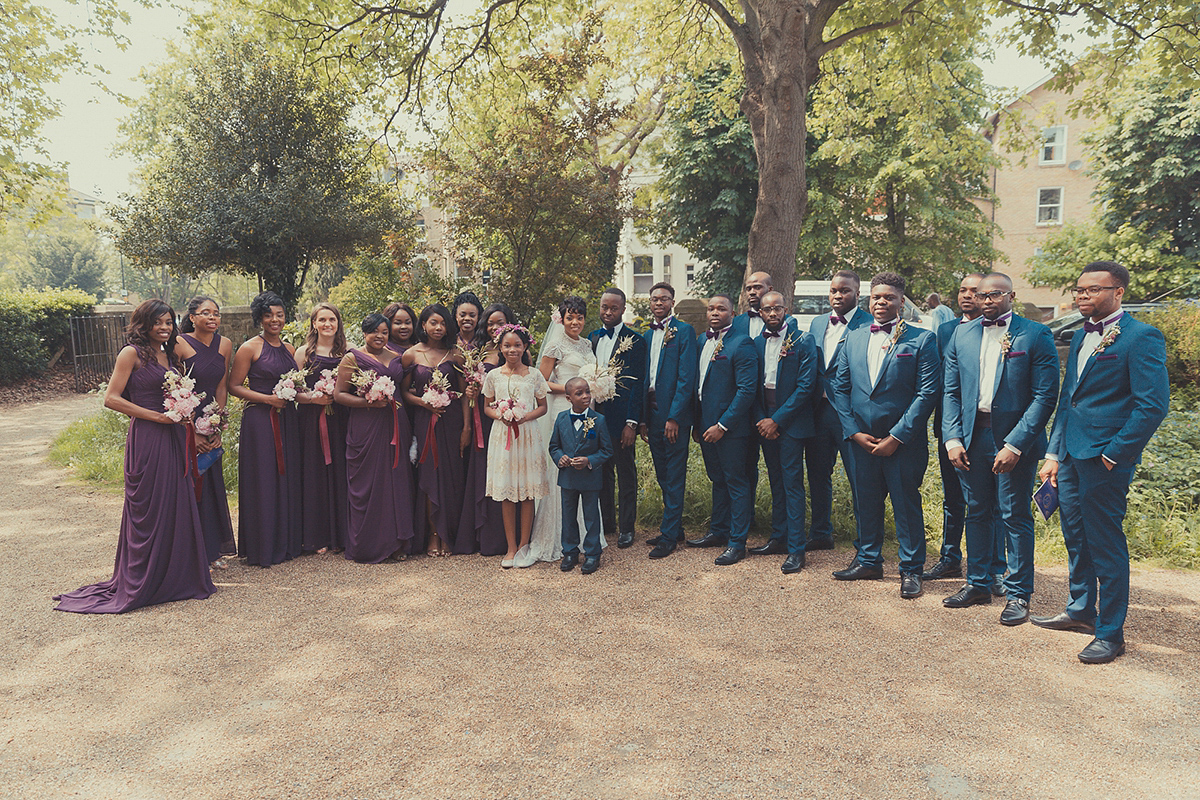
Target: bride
<point>564,354</point>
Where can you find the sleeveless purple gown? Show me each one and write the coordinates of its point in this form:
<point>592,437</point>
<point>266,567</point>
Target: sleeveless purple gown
<point>381,495</point>
<point>160,550</point>
<point>208,369</point>
<point>440,474</point>
<point>325,507</point>
<point>269,521</point>
<point>480,526</point>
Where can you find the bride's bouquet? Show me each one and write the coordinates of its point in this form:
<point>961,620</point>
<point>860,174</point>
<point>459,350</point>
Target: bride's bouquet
<point>180,398</point>
<point>604,382</point>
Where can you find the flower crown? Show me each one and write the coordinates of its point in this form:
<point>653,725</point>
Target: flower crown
<point>510,328</point>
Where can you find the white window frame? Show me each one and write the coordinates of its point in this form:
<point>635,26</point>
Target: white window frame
<point>642,281</point>
<point>1059,145</point>
<point>1041,205</point>
<point>689,275</point>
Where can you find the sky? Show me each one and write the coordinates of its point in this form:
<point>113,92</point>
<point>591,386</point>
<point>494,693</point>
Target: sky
<point>85,135</point>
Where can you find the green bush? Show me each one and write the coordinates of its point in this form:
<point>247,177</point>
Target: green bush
<point>36,326</point>
<point>1180,325</point>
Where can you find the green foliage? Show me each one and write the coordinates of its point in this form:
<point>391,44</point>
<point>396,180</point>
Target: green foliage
<point>94,448</point>
<point>67,254</point>
<point>36,326</point>
<point>254,168</point>
<point>1180,326</point>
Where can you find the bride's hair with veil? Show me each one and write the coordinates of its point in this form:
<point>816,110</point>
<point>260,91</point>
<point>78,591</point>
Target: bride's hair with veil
<point>573,303</point>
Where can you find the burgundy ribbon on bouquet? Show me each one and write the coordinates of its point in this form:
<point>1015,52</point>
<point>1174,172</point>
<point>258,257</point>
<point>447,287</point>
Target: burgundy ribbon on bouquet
<point>430,442</point>
<point>275,412</point>
<point>395,433</point>
<point>191,467</point>
<point>478,429</point>
<point>324,428</point>
<point>514,431</point>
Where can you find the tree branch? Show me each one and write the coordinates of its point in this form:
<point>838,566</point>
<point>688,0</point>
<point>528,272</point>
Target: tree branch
<point>838,41</point>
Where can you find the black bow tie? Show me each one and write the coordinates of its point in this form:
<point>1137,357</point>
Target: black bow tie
<point>607,331</point>
<point>770,334</point>
<point>999,323</point>
<point>578,417</point>
<point>884,328</point>
<point>837,319</point>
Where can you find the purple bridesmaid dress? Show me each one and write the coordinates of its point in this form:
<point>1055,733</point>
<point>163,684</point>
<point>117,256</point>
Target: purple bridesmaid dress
<point>440,474</point>
<point>379,474</point>
<point>480,526</point>
<point>269,521</point>
<point>160,550</point>
<point>208,369</point>
<point>325,506</point>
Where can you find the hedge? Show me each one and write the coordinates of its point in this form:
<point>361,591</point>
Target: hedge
<point>35,325</point>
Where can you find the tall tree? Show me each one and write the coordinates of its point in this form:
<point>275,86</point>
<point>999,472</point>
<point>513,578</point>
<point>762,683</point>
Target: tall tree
<point>254,168</point>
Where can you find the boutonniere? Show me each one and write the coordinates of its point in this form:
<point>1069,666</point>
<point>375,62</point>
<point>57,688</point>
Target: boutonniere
<point>1108,338</point>
<point>901,327</point>
<point>588,427</point>
<point>668,334</point>
<point>785,347</point>
<point>1005,344</point>
<point>717,350</point>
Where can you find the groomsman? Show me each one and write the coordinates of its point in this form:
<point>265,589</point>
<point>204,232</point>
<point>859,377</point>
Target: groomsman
<point>750,323</point>
<point>885,387</point>
<point>667,418</point>
<point>821,451</point>
<point>1001,384</point>
<point>622,413</point>
<point>1114,396</point>
<point>725,389</point>
<point>787,374</point>
<point>954,507</point>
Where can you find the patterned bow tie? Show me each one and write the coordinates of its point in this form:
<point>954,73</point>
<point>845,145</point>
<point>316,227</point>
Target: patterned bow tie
<point>607,332</point>
<point>837,319</point>
<point>578,417</point>
<point>770,334</point>
<point>999,323</point>
<point>1093,327</point>
<point>658,326</point>
<point>884,328</point>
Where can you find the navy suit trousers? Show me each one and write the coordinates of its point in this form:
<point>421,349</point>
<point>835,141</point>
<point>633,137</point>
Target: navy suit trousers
<point>571,498</point>
<point>732,503</point>
<point>785,470</point>
<point>670,468</point>
<point>620,485</point>
<point>999,518</point>
<point>820,455</point>
<point>899,475</point>
<point>954,508</point>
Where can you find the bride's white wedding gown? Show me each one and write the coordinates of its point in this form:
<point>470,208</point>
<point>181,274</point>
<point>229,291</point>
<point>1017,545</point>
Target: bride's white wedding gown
<point>571,356</point>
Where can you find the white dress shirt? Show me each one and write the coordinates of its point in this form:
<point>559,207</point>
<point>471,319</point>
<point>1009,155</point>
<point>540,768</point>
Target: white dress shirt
<point>1092,340</point>
<point>706,355</point>
<point>605,345</point>
<point>876,349</point>
<point>990,360</point>
<point>835,334</point>
<point>771,358</point>
<point>756,326</point>
<point>656,345</point>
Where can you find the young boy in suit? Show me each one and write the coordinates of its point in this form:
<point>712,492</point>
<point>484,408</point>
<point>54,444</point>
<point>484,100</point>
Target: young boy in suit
<point>580,445</point>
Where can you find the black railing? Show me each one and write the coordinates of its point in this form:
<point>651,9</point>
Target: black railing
<point>95,341</point>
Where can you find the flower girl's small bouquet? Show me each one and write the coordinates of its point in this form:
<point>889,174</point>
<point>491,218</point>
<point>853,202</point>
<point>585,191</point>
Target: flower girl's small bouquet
<point>180,398</point>
<point>438,393</point>
<point>326,385</point>
<point>371,386</point>
<point>212,420</point>
<point>290,384</point>
<point>511,411</point>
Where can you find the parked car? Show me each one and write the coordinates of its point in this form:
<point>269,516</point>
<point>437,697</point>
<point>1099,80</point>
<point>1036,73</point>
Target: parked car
<point>811,299</point>
<point>1063,327</point>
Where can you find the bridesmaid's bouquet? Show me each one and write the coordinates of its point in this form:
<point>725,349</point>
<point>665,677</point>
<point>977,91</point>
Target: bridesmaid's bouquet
<point>472,368</point>
<point>438,393</point>
<point>180,398</point>
<point>371,386</point>
<point>212,420</point>
<point>291,383</point>
<point>326,385</point>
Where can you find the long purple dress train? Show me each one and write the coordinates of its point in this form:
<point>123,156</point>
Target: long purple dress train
<point>440,475</point>
<point>379,474</point>
<point>160,550</point>
<point>269,521</point>
<point>208,369</point>
<point>325,507</point>
<point>480,526</point>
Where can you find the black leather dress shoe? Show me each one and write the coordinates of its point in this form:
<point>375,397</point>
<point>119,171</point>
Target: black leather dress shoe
<point>968,596</point>
<point>1063,621</point>
<point>654,540</point>
<point>910,585</point>
<point>732,555</point>
<point>569,561</point>
<point>858,572</point>
<point>711,540</point>
<point>1016,611</point>
<point>590,565</point>
<point>793,563</point>
<point>625,540</point>
<point>998,589</point>
<point>942,570</point>
<point>773,547</point>
<point>818,544</point>
<point>662,549</point>
<point>1101,652</point>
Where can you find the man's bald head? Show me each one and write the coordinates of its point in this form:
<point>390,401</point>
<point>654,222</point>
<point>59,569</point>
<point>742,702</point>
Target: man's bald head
<point>757,284</point>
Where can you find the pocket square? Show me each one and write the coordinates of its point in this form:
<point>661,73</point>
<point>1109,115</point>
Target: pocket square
<point>1106,357</point>
<point>1014,353</point>
<point>905,355</point>
<point>719,357</point>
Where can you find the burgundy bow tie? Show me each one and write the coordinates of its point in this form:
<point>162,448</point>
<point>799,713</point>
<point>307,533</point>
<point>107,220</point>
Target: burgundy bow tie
<point>658,326</point>
<point>770,334</point>
<point>712,334</point>
<point>999,323</point>
<point>837,319</point>
<point>884,328</point>
<point>754,313</point>
<point>1093,327</point>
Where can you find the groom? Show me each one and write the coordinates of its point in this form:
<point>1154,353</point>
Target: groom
<point>622,413</point>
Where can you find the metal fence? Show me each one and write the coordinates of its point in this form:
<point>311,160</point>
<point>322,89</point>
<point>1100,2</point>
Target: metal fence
<point>95,341</point>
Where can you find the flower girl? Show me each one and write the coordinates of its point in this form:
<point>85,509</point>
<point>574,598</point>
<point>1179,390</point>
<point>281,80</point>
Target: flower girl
<point>514,394</point>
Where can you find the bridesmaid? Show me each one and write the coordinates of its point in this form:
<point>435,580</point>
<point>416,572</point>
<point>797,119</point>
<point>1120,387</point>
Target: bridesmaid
<point>468,315</point>
<point>442,433</point>
<point>207,355</point>
<point>482,524</point>
<point>160,550</point>
<point>324,506</point>
<point>404,323</point>
<point>269,522</point>
<point>377,467</point>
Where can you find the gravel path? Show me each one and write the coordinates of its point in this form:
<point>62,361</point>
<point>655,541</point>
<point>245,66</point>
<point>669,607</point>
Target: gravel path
<point>451,678</point>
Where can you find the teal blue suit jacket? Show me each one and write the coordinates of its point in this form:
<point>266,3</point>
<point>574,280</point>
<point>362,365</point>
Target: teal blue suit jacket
<point>729,387</point>
<point>675,382</point>
<point>795,379</point>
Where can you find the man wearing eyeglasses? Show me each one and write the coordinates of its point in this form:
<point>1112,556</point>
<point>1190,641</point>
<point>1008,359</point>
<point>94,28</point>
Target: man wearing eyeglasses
<point>1114,396</point>
<point>1001,383</point>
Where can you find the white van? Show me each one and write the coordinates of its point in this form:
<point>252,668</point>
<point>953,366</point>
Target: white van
<point>811,299</point>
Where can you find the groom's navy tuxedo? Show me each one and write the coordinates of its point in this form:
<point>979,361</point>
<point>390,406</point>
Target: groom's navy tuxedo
<point>620,473</point>
<point>671,398</point>
<point>590,439</point>
<point>789,405</point>
<point>898,403</point>
<point>1024,390</point>
<point>1110,411</point>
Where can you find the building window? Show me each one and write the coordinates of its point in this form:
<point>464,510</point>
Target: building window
<point>422,237</point>
<point>643,274</point>
<point>1050,203</point>
<point>666,268</point>
<point>486,276</point>
<point>690,275</point>
<point>462,269</point>
<point>1054,146</point>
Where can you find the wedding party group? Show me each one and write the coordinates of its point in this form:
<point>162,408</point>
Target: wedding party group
<point>454,431</point>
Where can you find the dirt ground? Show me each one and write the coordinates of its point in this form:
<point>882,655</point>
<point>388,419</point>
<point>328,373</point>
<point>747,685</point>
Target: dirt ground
<point>450,678</point>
